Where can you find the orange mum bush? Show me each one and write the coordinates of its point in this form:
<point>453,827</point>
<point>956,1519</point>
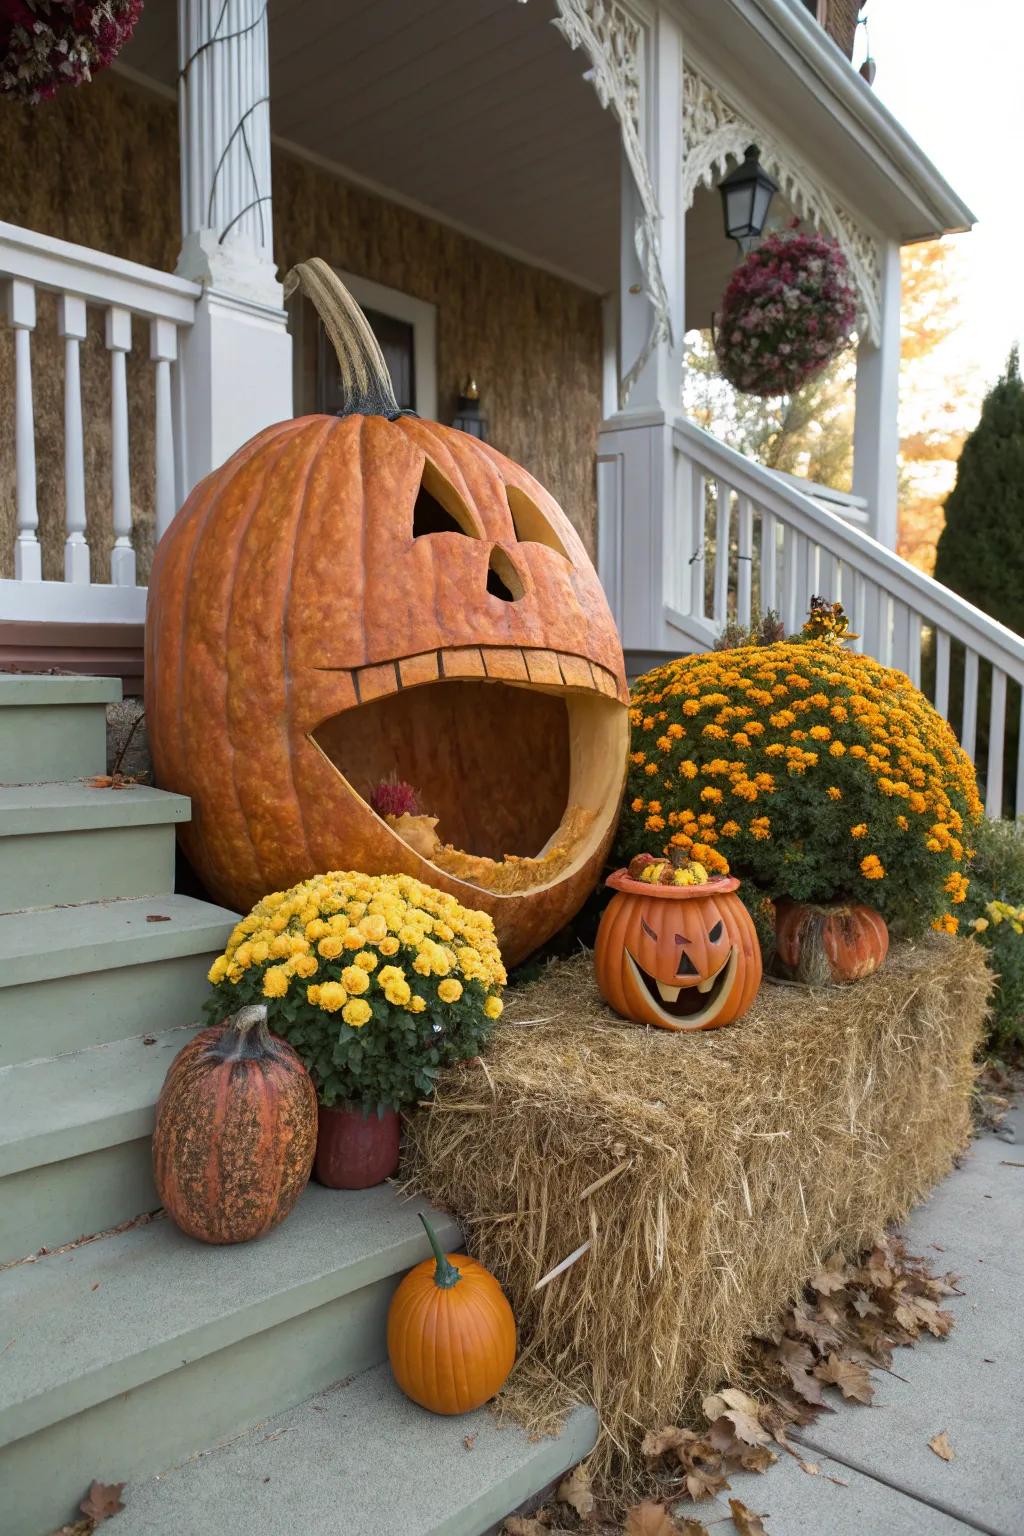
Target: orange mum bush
<point>809,770</point>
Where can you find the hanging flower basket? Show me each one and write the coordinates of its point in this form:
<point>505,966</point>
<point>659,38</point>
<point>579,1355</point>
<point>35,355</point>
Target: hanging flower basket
<point>788,310</point>
<point>48,43</point>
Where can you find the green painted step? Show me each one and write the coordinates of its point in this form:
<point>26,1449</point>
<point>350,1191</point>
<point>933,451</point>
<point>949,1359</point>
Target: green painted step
<point>129,1354</point>
<point>72,977</point>
<point>53,727</point>
<point>361,1459</point>
<point>75,1140</point>
<point>68,842</point>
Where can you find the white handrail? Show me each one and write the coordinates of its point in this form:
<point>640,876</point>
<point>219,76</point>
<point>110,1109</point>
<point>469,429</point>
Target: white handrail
<point>934,602</point>
<point>166,305</point>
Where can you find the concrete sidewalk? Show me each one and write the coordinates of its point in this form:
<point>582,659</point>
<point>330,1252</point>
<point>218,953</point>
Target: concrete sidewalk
<point>888,1482</point>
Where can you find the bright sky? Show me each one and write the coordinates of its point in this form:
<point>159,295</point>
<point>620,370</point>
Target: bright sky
<point>951,73</point>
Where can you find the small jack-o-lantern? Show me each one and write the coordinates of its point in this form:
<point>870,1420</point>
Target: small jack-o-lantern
<point>681,957</point>
<point>368,597</point>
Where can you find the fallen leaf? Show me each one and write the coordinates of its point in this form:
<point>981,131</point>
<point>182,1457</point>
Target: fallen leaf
<point>742,1411</point>
<point>575,1491</point>
<point>149,1039</point>
<point>157,917</point>
<point>941,1446</point>
<point>99,781</point>
<point>469,1441</point>
<point>797,1361</point>
<point>650,1519</point>
<point>839,1482</point>
<point>701,1484</point>
<point>518,1525</point>
<point>756,1458</point>
<point>852,1379</point>
<point>659,1442</point>
<point>102,1501</point>
<point>810,1467</point>
<point>831,1277</point>
<point>744,1519</point>
<point>692,1528</point>
<point>95,1286</point>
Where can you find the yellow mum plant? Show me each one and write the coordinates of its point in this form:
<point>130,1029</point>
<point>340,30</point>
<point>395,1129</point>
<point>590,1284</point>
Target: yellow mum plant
<point>377,981</point>
<point>807,769</point>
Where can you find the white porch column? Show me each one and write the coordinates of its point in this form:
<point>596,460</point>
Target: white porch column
<point>876,432</point>
<point>659,383</point>
<point>237,356</point>
<point>636,460</point>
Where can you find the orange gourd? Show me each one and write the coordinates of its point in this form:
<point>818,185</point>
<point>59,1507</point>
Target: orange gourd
<point>837,942</point>
<point>680,957</point>
<point>369,597</point>
<point>451,1333</point>
<point>235,1131</point>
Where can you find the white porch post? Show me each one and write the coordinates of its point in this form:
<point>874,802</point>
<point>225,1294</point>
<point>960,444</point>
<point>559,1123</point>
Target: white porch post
<point>237,355</point>
<point>636,466</point>
<point>876,432</point>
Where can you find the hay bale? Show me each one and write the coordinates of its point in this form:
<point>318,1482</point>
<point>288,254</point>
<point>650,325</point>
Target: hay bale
<point>710,1173</point>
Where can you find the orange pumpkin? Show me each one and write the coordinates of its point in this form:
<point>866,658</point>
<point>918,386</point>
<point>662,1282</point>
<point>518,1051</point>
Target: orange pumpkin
<point>680,957</point>
<point>359,598</point>
<point>835,942</point>
<point>235,1131</point>
<point>451,1333</point>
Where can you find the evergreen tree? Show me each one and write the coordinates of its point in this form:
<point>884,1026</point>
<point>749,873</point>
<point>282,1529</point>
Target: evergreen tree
<point>981,549</point>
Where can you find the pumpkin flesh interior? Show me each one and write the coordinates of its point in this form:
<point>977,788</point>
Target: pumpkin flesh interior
<point>521,778</point>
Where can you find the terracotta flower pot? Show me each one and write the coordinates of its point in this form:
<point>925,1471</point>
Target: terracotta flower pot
<point>356,1148</point>
<point>829,942</point>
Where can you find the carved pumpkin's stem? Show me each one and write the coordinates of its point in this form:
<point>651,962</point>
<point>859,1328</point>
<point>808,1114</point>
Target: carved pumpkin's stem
<point>445,1274</point>
<point>366,388</point>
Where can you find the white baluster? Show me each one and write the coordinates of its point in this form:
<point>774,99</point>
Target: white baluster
<point>790,577</point>
<point>1019,804</point>
<point>828,575</point>
<point>723,497</point>
<point>942,673</point>
<point>71,326</point>
<point>914,659</point>
<point>119,343</point>
<point>970,720</point>
<point>871,625</point>
<point>163,349</point>
<point>996,735</point>
<point>769,561</point>
<point>699,503</point>
<point>745,560</point>
<point>901,636</point>
<point>21,312</point>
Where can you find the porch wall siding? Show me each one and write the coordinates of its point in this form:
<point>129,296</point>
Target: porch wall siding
<point>99,166</point>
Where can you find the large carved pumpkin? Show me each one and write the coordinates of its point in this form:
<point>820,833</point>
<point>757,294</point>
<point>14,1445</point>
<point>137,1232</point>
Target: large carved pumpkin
<point>681,957</point>
<point>359,597</point>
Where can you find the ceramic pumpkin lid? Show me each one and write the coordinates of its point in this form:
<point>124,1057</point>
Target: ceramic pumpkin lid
<point>715,885</point>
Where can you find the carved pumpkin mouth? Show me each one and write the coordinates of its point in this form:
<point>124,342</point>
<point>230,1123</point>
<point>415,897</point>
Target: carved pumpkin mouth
<point>516,757</point>
<point>690,1005</point>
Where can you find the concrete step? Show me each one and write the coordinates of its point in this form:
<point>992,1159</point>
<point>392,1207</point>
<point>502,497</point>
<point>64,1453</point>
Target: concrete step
<point>76,976</point>
<point>68,842</point>
<point>53,727</point>
<point>124,1356</point>
<point>361,1458</point>
<point>75,1140</point>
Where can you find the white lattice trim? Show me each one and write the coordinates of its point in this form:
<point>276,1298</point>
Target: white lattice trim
<point>714,132</point>
<point>613,38</point>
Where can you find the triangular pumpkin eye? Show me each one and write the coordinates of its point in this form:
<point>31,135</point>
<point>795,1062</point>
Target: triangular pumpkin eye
<point>439,508</point>
<point>716,932</point>
<point>531,526</point>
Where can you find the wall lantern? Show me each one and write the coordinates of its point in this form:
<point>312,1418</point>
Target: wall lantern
<point>468,417</point>
<point>747,193</point>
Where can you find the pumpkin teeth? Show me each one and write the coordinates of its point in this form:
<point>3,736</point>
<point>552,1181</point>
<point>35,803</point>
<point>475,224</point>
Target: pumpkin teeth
<point>670,994</point>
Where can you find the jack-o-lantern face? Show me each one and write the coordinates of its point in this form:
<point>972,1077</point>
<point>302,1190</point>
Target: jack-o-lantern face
<point>681,957</point>
<point>355,599</point>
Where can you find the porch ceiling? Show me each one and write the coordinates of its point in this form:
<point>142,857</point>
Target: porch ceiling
<point>474,110</point>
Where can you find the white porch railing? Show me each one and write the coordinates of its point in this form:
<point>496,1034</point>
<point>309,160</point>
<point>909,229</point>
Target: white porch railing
<point>741,538</point>
<point>79,277</point>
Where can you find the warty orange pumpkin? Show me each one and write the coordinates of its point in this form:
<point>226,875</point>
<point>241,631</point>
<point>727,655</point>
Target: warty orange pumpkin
<point>829,943</point>
<point>451,1332</point>
<point>235,1131</point>
<point>680,957</point>
<point>369,596</point>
